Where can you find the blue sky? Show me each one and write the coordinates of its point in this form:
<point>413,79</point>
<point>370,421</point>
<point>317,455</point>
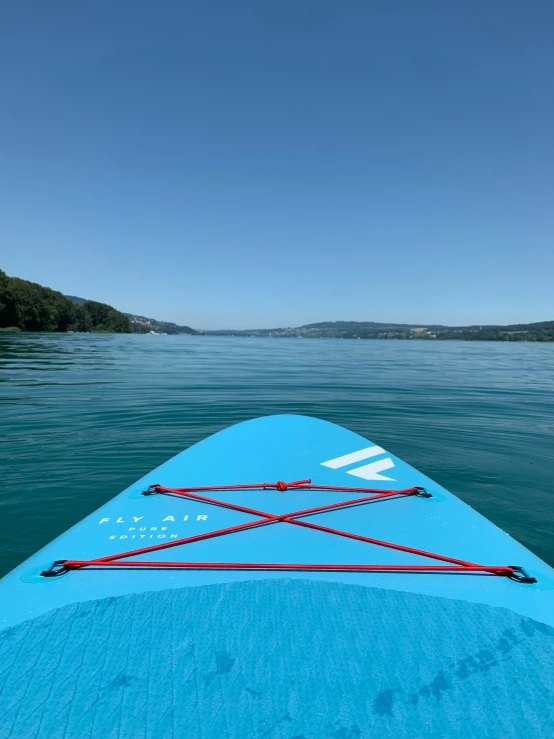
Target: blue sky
<point>278,162</point>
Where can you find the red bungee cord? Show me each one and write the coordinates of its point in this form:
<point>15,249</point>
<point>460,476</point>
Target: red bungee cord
<point>60,567</point>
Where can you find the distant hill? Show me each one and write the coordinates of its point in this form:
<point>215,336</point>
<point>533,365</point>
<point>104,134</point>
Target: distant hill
<point>76,300</point>
<point>358,325</point>
<point>543,331</point>
<point>143,325</point>
<point>28,306</point>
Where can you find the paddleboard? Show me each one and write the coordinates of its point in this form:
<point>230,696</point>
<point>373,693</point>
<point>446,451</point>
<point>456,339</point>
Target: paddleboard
<point>293,611</point>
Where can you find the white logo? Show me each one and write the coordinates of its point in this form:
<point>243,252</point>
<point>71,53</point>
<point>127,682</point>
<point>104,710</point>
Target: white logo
<point>367,471</point>
<point>139,527</point>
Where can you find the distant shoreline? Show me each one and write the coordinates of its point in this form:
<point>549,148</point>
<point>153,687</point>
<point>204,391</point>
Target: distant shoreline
<point>11,330</point>
<point>530,332</point>
<point>30,307</point>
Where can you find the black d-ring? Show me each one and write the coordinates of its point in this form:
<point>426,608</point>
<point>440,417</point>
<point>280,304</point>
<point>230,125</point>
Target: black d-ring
<point>422,493</point>
<point>56,569</point>
<point>151,490</point>
<point>519,575</point>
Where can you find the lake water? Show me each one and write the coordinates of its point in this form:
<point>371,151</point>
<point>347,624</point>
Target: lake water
<point>83,416</point>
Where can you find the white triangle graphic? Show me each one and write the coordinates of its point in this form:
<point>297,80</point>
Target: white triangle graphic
<point>370,451</point>
<point>371,471</point>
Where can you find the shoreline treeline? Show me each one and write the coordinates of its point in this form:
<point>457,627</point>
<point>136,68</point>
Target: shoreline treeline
<point>28,306</point>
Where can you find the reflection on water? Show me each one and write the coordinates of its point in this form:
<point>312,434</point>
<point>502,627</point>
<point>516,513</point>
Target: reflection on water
<point>83,416</point>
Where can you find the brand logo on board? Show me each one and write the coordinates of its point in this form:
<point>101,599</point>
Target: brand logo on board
<point>370,471</point>
<point>143,527</point>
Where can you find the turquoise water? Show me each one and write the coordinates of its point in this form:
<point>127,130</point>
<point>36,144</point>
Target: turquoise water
<point>83,416</point>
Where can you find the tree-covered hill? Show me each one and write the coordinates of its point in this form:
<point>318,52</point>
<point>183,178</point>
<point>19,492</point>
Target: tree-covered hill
<point>28,306</point>
<point>143,325</point>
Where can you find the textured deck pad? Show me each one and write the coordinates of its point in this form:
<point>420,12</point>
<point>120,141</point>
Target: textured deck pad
<point>277,659</point>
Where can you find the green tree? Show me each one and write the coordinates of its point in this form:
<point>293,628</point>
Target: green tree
<point>32,307</point>
<point>7,307</point>
<point>105,318</point>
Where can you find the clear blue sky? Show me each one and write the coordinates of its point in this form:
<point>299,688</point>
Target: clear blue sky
<point>276,162</point>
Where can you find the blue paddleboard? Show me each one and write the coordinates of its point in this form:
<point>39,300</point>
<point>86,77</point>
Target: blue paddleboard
<point>304,628</point>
